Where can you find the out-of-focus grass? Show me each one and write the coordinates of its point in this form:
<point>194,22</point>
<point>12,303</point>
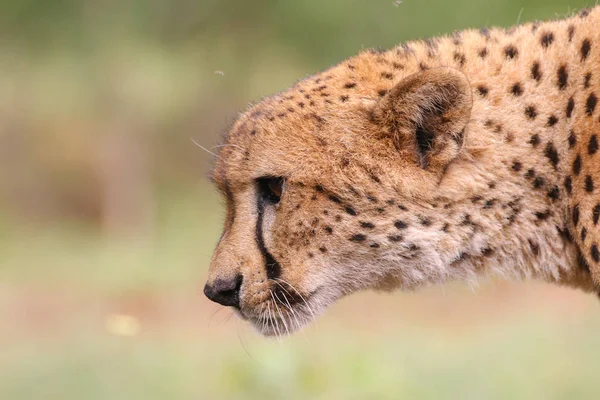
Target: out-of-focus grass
<point>534,359</point>
<point>176,253</point>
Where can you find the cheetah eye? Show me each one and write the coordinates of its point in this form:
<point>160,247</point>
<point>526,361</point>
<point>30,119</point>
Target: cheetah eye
<point>270,189</point>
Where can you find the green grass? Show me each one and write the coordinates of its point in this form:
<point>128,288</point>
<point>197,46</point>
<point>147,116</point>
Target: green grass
<point>534,360</point>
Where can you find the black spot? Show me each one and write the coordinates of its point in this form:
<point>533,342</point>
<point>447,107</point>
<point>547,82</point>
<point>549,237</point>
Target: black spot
<point>554,193</point>
<point>535,248</point>
<point>577,165</point>
<point>552,154</point>
<point>516,89</point>
<point>547,39</point>
<point>334,198</point>
<point>460,58</point>
<point>589,184</point>
<point>576,214</point>
<point>570,107</point>
<point>403,208</point>
<point>569,185</point>
<point>467,220</point>
<point>538,182</point>
<point>395,238</point>
<point>596,214</point>
<point>572,140</point>
<point>487,252</point>
<point>323,249</point>
<point>476,199</point>
<point>425,221</point>
<point>446,227</point>
<point>593,145</point>
<point>590,104</point>
<point>571,32</point>
<point>511,52</point>
<point>531,112</point>
<point>344,98</point>
<point>483,91</point>
<point>387,75</point>
<point>516,166</point>
<point>583,234</point>
<point>542,215</point>
<point>489,204</point>
<point>359,237</point>
<point>319,188</point>
<point>483,52</point>
<point>535,71</point>
<point>530,173</point>
<point>400,224</point>
<point>586,80</point>
<point>328,229</point>
<point>565,233</point>
<point>562,77</point>
<point>552,120</point>
<point>374,245</point>
<point>351,211</point>
<point>367,225</point>
<point>382,92</point>
<point>350,85</point>
<point>534,140</point>
<point>595,253</point>
<point>585,49</point>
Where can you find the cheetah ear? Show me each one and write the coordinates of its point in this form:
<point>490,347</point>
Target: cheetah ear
<point>427,113</point>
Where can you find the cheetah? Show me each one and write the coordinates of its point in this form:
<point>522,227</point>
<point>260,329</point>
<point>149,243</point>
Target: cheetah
<point>440,159</point>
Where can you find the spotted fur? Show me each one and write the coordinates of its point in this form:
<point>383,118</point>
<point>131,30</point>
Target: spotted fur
<point>436,160</point>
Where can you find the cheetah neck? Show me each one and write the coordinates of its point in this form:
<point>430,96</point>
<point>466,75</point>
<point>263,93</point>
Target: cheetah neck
<point>533,118</point>
<point>534,112</point>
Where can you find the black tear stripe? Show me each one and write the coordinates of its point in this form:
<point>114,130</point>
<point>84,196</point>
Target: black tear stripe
<point>271,265</point>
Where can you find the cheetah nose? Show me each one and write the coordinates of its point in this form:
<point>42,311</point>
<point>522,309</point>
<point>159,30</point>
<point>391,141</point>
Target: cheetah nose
<point>225,291</point>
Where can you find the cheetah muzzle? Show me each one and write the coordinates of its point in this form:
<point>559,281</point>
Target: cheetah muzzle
<point>437,160</point>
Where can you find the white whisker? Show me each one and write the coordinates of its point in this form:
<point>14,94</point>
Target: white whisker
<point>280,313</point>
<point>299,294</point>
<point>203,148</point>
<point>294,313</point>
<point>237,146</point>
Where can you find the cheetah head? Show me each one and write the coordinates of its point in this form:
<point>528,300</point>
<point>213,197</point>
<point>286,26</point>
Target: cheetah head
<point>332,188</point>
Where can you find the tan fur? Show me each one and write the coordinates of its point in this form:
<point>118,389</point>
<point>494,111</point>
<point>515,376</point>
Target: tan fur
<point>495,190</point>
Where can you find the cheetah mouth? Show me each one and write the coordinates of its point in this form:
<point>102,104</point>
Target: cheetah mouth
<point>282,313</point>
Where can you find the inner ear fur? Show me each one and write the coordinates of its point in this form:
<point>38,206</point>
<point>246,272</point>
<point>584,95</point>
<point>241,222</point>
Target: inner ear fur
<point>427,113</point>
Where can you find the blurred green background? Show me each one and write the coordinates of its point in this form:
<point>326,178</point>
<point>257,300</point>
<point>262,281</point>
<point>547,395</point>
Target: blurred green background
<point>107,222</point>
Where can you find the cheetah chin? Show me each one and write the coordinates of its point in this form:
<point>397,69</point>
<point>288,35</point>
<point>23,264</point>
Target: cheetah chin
<point>437,160</point>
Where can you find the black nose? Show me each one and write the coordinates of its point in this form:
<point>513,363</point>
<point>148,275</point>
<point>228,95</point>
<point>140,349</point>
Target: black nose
<point>225,291</point>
